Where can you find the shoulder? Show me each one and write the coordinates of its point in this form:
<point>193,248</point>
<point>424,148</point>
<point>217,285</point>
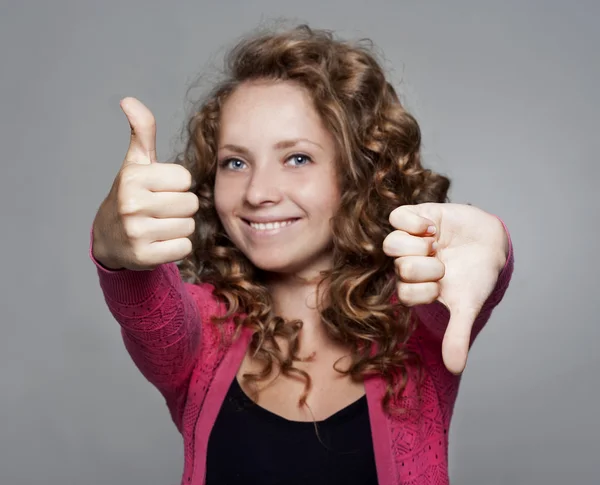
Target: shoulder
<point>214,335</point>
<point>208,303</point>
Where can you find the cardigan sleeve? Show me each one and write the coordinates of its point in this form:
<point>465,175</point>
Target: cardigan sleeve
<point>160,323</point>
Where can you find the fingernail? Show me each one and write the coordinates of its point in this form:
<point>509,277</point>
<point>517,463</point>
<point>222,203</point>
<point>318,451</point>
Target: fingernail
<point>431,230</point>
<point>434,246</point>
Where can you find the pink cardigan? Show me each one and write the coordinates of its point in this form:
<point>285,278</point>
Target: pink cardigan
<point>167,331</point>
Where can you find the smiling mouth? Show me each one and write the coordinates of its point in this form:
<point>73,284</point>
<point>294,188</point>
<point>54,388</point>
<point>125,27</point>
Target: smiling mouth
<point>270,226</point>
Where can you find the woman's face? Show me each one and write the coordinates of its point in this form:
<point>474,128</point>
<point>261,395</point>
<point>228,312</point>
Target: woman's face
<point>276,186</point>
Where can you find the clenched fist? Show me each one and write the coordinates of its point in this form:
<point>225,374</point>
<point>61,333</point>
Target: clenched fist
<point>451,253</point>
<point>147,217</point>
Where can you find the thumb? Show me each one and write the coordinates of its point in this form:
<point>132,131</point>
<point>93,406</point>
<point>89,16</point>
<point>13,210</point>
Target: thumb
<point>142,146</point>
<point>455,346</point>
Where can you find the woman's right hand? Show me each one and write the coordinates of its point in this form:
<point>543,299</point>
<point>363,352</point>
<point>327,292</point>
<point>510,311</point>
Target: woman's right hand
<point>147,217</point>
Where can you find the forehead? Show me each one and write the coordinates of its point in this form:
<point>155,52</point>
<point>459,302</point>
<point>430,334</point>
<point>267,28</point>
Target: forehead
<point>270,111</point>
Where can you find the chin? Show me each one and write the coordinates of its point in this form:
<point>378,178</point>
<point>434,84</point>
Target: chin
<point>303,266</point>
<point>272,264</point>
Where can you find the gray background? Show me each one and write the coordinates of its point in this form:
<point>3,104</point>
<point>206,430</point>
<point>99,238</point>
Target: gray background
<point>507,96</point>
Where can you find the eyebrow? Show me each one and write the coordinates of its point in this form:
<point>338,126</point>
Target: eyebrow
<point>278,146</point>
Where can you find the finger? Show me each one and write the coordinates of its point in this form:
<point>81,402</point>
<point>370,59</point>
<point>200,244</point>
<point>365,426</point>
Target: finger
<point>419,269</point>
<point>406,219</point>
<point>159,230</point>
<point>411,294</point>
<point>168,177</point>
<point>400,243</point>
<point>166,252</point>
<point>158,177</point>
<point>164,205</point>
<point>142,144</point>
<point>455,346</point>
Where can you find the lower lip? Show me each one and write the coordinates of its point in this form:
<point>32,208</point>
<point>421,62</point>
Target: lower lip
<point>268,232</point>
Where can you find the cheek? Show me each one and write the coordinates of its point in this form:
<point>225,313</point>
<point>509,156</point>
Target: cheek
<point>223,208</point>
<point>223,203</point>
<point>327,195</point>
<point>318,187</point>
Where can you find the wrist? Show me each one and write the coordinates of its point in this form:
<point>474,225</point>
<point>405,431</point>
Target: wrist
<point>100,255</point>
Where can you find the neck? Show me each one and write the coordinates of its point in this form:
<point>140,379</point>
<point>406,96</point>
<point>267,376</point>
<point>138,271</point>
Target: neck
<point>296,297</point>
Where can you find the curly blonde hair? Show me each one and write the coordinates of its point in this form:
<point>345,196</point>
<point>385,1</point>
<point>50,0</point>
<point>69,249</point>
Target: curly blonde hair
<point>379,169</point>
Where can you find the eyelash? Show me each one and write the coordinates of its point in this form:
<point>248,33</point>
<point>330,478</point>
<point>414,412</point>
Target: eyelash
<point>227,161</point>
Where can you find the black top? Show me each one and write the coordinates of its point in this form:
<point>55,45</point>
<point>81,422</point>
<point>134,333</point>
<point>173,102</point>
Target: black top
<point>250,445</point>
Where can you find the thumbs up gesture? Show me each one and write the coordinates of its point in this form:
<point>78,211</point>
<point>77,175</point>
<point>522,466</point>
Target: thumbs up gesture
<point>451,253</point>
<point>148,214</point>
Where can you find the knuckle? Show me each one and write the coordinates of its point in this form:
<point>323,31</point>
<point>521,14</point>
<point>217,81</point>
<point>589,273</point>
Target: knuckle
<point>394,243</point>
<point>387,244</point>
<point>395,216</point>
<point>433,291</point>
<point>139,256</point>
<point>130,175</point>
<point>191,227</point>
<point>184,176</point>
<point>411,294</point>
<point>187,246</point>
<point>406,269</point>
<point>134,230</point>
<point>441,269</point>
<point>128,205</point>
<point>194,202</point>
<point>405,293</point>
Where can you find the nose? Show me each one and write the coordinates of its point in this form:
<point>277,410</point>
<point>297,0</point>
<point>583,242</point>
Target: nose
<point>263,187</point>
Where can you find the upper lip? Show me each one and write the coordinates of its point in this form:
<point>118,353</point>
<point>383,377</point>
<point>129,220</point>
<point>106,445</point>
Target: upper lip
<point>267,219</point>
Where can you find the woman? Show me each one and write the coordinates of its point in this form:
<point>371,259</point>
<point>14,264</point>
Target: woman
<point>327,295</point>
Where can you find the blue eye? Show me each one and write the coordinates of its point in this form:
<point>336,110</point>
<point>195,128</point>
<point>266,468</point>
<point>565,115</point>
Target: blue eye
<point>233,164</point>
<point>300,159</point>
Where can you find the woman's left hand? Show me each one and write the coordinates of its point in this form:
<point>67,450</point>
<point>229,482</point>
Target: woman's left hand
<point>457,265</point>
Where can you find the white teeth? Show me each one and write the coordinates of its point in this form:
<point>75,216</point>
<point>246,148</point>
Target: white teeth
<point>269,226</point>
